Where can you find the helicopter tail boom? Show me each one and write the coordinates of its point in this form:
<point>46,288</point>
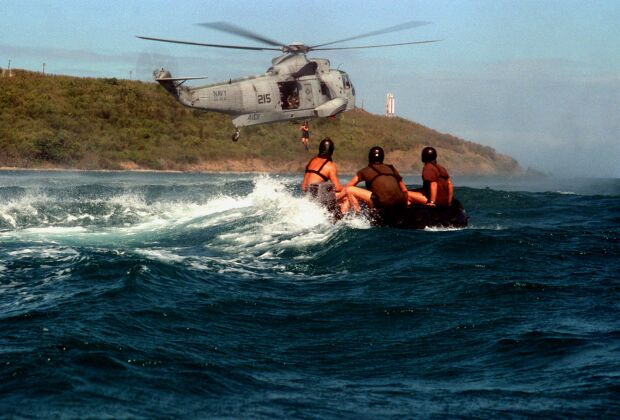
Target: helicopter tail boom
<point>178,79</point>
<point>173,86</point>
<point>165,79</point>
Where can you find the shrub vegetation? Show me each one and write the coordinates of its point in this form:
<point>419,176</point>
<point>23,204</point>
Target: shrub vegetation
<point>85,123</point>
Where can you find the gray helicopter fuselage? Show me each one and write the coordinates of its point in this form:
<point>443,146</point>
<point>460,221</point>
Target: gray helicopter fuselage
<point>294,88</point>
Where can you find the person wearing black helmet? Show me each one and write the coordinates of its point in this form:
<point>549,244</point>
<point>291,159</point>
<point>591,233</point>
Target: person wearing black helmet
<point>321,177</point>
<point>385,189</point>
<point>437,188</point>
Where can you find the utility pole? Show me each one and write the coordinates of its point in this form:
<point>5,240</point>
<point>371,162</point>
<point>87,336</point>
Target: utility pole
<point>10,73</point>
<point>130,74</point>
<point>43,68</point>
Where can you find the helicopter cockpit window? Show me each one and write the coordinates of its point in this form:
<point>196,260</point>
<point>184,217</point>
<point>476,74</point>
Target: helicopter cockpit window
<point>324,90</point>
<point>347,82</point>
<point>289,95</point>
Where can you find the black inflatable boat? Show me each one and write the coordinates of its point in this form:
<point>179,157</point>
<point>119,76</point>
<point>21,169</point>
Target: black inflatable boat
<point>421,216</point>
<point>418,216</point>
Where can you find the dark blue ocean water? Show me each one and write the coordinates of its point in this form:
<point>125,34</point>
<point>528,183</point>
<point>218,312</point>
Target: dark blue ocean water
<point>127,295</point>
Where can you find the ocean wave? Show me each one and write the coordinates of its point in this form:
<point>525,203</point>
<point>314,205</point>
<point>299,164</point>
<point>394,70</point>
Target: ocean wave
<point>175,295</point>
<point>267,221</point>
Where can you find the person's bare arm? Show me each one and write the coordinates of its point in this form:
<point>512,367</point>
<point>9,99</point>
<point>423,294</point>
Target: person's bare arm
<point>354,181</point>
<point>433,194</point>
<point>402,186</point>
<point>450,191</point>
<point>304,184</point>
<point>333,177</point>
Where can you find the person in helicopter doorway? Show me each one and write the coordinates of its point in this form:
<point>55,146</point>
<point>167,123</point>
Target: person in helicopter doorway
<point>321,179</point>
<point>305,134</point>
<point>437,187</point>
<point>385,189</point>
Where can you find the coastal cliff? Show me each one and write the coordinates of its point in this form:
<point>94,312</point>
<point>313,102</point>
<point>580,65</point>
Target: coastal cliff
<point>49,121</point>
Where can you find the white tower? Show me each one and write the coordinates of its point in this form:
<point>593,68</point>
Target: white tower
<point>389,105</point>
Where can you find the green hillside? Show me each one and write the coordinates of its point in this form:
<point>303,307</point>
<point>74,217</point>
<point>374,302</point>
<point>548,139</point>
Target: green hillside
<point>68,122</point>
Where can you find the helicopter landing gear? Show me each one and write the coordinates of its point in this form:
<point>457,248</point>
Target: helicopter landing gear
<point>236,135</point>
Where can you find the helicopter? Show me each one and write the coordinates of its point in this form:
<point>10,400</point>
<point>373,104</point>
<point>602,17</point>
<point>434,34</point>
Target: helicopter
<point>294,88</point>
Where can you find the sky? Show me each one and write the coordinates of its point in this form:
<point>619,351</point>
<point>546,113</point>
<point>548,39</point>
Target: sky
<point>536,80</point>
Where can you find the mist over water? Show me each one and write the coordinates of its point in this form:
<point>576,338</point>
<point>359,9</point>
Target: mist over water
<point>205,295</point>
<point>540,184</point>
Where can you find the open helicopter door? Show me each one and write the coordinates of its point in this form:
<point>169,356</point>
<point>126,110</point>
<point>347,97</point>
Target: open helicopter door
<point>289,95</point>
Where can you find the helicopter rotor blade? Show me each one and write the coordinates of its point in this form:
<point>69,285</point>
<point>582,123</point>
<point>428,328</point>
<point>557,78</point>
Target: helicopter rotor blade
<point>238,47</point>
<point>376,46</point>
<point>236,30</point>
<point>400,27</point>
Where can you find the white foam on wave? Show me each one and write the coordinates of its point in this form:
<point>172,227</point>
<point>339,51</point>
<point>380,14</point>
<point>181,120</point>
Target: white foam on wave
<point>31,209</point>
<point>259,226</point>
<point>169,213</point>
<point>281,221</point>
<point>222,208</point>
<point>24,291</point>
<point>255,233</point>
<point>9,218</point>
<point>72,218</point>
<point>25,205</point>
<point>356,221</point>
<point>485,227</point>
<point>53,231</point>
<point>443,229</point>
<point>163,255</point>
<point>45,252</point>
<point>141,218</point>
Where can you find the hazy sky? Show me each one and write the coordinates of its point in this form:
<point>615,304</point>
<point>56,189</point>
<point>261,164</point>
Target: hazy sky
<point>537,80</point>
